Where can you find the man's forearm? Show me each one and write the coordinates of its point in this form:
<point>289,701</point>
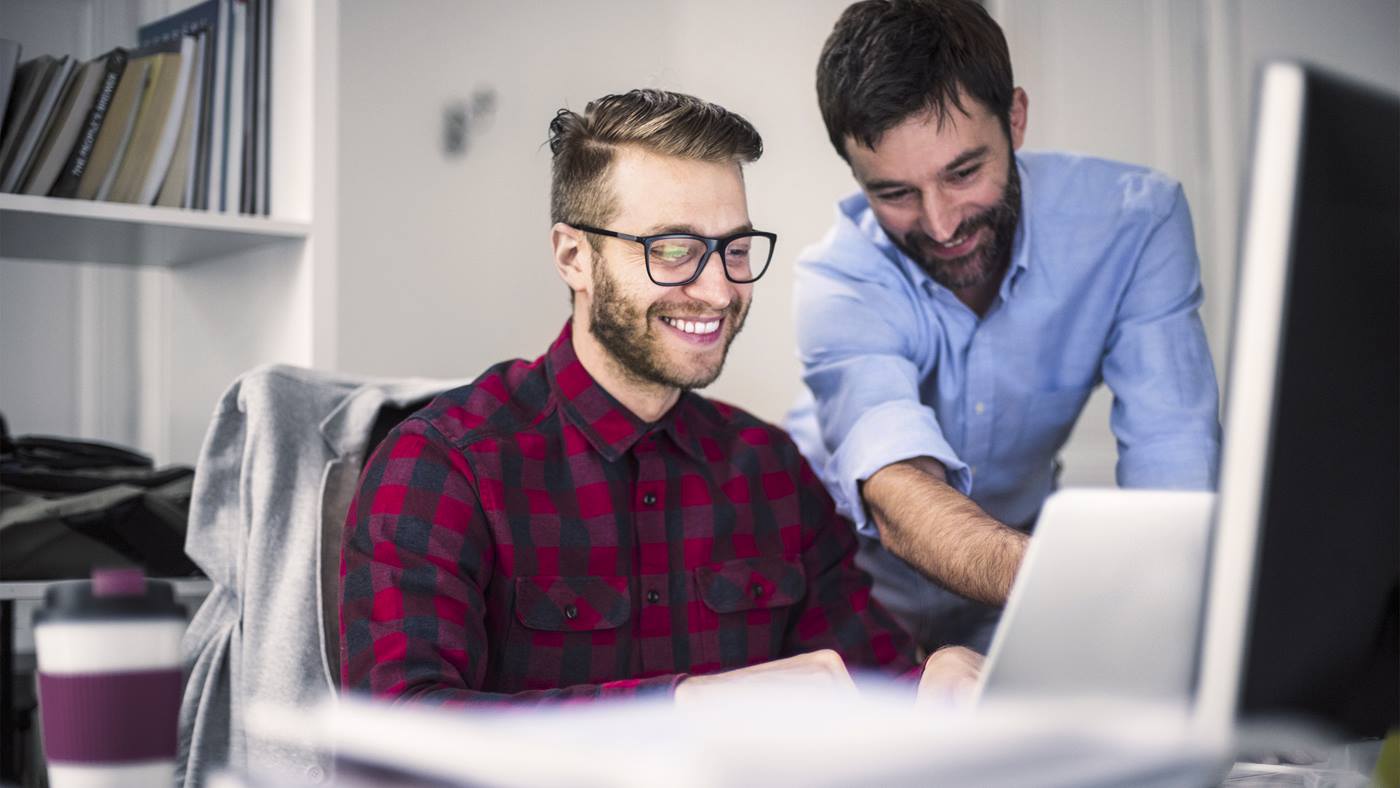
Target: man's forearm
<point>942,532</point>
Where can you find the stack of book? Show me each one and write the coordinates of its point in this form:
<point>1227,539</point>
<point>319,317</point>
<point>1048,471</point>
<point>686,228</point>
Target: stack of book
<point>180,120</point>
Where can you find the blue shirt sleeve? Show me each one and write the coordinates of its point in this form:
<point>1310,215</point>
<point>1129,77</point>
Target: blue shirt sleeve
<point>865,351</point>
<point>1158,365</point>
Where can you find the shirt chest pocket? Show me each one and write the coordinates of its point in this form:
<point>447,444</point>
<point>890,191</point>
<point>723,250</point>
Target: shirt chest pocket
<point>747,606</point>
<point>567,630</point>
<point>572,604</point>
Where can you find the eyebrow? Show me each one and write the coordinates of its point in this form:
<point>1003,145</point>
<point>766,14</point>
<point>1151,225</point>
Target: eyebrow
<point>965,158</point>
<point>665,229</point>
<point>958,163</point>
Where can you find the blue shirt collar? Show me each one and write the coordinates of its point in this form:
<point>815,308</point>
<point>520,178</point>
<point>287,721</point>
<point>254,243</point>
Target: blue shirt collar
<point>1020,247</point>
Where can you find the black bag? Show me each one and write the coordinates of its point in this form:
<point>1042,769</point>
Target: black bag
<point>67,506</point>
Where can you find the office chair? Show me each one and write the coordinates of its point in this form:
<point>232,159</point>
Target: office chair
<point>274,479</point>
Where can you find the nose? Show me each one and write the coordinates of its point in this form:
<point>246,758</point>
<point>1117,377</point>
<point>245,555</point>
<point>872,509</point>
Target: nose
<point>940,217</point>
<point>712,287</point>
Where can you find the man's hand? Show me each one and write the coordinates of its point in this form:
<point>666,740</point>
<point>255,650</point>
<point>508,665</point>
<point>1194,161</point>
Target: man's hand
<point>822,669</point>
<point>950,677</point>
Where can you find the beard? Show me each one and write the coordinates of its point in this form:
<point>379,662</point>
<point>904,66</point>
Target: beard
<point>624,330</point>
<point>990,259</point>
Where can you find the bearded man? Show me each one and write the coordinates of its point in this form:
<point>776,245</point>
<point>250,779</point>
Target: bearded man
<point>585,525</point>
<point>966,303</point>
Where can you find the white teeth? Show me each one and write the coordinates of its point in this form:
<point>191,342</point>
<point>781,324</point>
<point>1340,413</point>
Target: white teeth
<point>953,243</point>
<point>693,327</point>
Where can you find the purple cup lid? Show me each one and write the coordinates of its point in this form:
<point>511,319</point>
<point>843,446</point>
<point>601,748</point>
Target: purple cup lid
<point>111,594</point>
<point>118,582</point>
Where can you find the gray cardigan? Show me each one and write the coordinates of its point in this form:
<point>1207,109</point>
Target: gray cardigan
<point>274,479</point>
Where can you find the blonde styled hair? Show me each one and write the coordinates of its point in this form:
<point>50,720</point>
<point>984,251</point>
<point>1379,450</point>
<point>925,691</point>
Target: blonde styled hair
<point>659,121</point>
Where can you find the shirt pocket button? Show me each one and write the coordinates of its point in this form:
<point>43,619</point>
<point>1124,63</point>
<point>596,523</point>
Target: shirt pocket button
<point>570,612</point>
<point>653,597</point>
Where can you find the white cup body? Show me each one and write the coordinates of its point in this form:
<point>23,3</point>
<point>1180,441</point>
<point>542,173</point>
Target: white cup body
<point>68,647</point>
<point>102,654</point>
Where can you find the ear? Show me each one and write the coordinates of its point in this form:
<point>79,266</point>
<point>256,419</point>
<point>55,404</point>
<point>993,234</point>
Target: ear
<point>1019,103</point>
<point>573,257</point>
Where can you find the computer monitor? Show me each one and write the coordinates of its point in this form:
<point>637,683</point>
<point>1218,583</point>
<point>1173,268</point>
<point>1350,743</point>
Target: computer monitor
<point>1304,581</point>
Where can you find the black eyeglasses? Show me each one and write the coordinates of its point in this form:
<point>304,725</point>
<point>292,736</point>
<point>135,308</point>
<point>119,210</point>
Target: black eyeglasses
<point>675,259</point>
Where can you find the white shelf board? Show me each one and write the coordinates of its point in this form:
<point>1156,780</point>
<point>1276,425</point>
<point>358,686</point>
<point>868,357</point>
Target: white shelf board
<point>82,231</point>
<point>34,589</point>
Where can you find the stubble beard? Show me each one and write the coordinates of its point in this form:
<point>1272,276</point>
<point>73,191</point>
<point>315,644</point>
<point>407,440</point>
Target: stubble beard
<point>624,331</point>
<point>990,259</point>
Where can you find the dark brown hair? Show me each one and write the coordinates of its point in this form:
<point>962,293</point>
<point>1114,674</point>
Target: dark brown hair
<point>888,60</point>
<point>660,121</point>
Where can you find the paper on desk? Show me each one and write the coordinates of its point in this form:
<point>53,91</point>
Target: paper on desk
<point>767,735</point>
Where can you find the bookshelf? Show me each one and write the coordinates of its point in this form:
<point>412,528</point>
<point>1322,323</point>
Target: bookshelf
<point>58,230</point>
<point>159,309</point>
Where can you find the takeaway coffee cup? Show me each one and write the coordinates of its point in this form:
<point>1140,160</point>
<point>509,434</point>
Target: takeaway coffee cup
<point>108,653</point>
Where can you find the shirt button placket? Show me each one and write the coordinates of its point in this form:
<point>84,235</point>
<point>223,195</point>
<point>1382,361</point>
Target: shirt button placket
<point>653,567</point>
<point>978,401</point>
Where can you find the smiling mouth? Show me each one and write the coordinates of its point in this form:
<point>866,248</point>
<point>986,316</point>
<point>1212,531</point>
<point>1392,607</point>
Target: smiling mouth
<point>958,247</point>
<point>697,327</point>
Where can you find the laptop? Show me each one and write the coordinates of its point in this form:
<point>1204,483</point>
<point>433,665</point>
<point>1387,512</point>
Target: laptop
<point>1107,602</point>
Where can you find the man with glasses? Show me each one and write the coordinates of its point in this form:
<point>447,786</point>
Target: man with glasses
<point>584,525</point>
<point>956,318</point>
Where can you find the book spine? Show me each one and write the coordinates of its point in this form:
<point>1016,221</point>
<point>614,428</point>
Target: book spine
<point>109,180</point>
<point>265,115</point>
<point>43,118</point>
<point>9,72</point>
<point>250,81</point>
<point>218,149</point>
<point>196,101</point>
<point>233,119</point>
<point>169,131</point>
<point>177,26</point>
<point>204,149</point>
<point>67,185</point>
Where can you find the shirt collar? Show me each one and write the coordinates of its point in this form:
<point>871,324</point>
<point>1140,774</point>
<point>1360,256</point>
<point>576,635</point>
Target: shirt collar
<point>608,426</point>
<point>1020,247</point>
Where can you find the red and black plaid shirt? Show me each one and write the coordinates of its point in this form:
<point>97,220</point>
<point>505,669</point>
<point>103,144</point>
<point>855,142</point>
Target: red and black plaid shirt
<point>526,537</point>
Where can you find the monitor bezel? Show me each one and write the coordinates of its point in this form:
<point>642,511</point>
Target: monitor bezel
<point>1256,342</point>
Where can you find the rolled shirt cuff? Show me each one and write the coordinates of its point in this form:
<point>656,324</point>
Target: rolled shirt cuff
<point>1174,465</point>
<point>886,434</point>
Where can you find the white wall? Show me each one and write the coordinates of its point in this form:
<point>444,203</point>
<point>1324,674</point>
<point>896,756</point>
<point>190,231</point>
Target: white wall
<point>38,390</point>
<point>445,261</point>
<point>1169,84</point>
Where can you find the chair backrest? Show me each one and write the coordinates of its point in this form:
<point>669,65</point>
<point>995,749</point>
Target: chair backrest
<point>276,475</point>
<point>336,493</point>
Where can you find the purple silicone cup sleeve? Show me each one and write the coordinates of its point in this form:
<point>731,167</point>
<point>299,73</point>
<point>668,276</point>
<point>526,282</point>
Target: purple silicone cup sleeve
<point>110,718</point>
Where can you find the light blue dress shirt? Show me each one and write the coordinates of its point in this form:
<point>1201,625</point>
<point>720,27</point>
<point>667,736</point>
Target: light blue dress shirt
<point>1104,287</point>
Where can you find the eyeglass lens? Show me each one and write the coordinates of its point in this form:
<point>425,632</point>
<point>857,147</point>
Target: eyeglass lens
<point>674,259</point>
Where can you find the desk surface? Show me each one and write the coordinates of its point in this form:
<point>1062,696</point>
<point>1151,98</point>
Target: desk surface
<point>34,589</point>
